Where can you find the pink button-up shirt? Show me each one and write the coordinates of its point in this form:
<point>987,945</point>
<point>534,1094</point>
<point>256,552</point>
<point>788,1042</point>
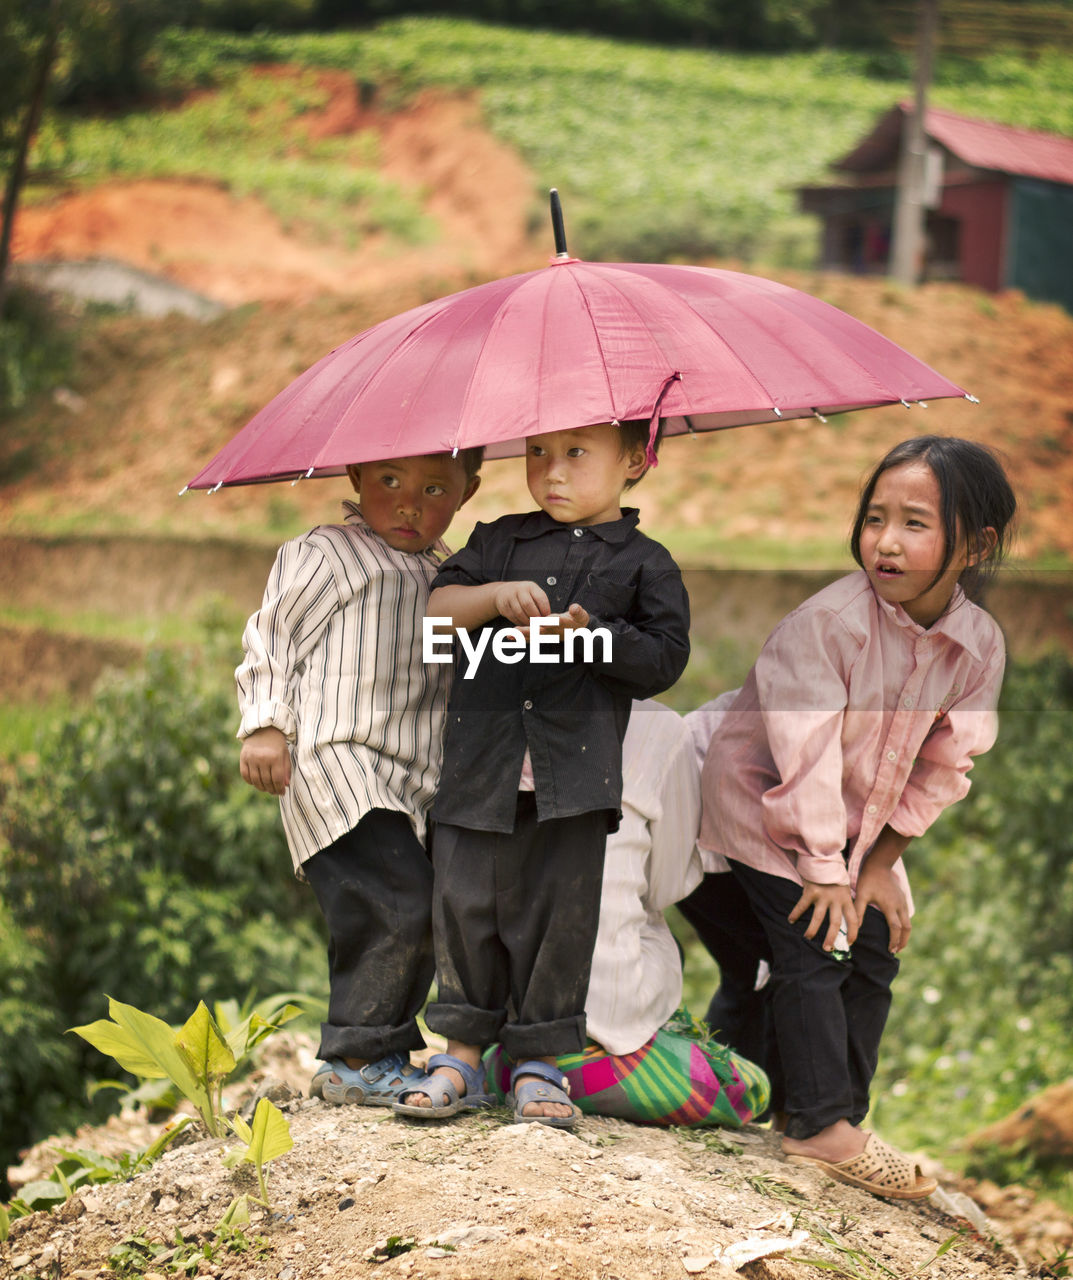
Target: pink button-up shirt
<point>854,716</point>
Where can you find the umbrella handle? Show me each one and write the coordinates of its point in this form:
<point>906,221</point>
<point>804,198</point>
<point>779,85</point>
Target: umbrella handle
<point>557,227</point>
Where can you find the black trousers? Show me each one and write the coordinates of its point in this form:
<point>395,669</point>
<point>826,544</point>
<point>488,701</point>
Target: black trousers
<point>374,887</point>
<point>514,918</point>
<point>739,1015</point>
<point>828,1014</point>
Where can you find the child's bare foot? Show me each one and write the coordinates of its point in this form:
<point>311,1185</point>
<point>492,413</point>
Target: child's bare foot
<point>455,1082</point>
<point>538,1091</point>
<point>851,1155</point>
<point>542,1108</point>
<point>839,1141</point>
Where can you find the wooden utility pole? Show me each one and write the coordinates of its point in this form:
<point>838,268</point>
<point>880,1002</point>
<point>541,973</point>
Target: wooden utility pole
<point>907,238</point>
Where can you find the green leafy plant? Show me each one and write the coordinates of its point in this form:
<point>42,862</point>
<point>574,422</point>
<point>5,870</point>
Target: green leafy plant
<point>391,1247</point>
<point>135,1255</point>
<point>1060,1266</point>
<point>197,1058</point>
<point>78,1168</point>
<point>268,1137</point>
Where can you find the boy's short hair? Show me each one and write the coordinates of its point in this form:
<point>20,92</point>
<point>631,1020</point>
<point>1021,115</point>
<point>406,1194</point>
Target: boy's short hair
<point>471,460</point>
<point>633,433</point>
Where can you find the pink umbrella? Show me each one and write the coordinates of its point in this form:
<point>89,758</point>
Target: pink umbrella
<point>569,345</point>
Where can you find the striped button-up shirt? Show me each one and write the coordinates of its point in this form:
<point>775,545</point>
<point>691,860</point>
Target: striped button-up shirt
<point>853,717</point>
<point>333,660</point>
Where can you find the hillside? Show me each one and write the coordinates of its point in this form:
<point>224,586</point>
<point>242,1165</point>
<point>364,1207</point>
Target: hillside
<point>151,401</point>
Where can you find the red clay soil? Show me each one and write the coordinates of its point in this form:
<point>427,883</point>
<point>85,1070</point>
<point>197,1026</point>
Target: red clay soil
<point>149,421</point>
<point>234,250</point>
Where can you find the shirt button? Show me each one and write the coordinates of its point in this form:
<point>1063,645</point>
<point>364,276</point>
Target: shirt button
<point>907,702</point>
<point>579,533</point>
<point>527,705</point>
<point>892,755</point>
<point>552,582</point>
<point>872,809</point>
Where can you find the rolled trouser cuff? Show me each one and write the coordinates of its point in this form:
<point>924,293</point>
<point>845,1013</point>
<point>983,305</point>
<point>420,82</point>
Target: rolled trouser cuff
<point>466,1023</point>
<point>543,1039</point>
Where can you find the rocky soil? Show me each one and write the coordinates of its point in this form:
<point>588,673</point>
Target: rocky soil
<point>364,1193</point>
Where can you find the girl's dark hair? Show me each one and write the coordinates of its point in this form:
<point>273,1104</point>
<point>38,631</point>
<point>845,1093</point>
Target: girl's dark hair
<point>974,495</point>
<point>633,432</point>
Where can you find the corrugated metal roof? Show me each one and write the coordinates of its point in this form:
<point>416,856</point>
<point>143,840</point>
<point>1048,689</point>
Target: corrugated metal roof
<point>980,143</point>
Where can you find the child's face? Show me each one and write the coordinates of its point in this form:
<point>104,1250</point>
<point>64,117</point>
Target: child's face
<point>903,543</point>
<point>577,476</point>
<point>410,502</point>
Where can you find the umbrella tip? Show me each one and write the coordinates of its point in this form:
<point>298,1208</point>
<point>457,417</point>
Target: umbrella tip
<point>557,227</point>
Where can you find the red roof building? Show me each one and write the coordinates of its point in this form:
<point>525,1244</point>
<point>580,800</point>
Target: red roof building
<point>998,204</point>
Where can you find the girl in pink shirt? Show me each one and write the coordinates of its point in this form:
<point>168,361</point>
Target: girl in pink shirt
<point>853,731</point>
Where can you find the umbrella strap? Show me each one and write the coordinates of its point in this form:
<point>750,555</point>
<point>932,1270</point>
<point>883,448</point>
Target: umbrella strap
<point>653,422</point>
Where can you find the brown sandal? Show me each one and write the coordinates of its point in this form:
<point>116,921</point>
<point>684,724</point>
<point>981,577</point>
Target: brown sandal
<point>880,1169</point>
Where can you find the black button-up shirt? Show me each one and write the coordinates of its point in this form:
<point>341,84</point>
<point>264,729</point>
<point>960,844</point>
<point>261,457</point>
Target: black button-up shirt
<point>571,715</point>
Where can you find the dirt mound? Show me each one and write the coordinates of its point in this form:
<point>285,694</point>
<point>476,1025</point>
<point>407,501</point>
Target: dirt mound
<point>481,1197</point>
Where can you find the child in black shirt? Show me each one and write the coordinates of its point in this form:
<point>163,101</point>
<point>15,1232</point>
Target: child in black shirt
<point>532,775</point>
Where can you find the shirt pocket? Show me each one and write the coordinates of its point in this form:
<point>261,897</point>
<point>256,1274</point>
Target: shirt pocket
<point>606,598</point>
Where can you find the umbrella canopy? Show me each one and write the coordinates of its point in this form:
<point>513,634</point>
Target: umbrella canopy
<point>572,344</point>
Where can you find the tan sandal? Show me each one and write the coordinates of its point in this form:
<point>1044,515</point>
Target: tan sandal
<point>880,1169</point>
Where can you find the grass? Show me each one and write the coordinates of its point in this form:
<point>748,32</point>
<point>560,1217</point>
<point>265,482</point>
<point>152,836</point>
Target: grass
<point>22,723</point>
<point>94,625</point>
<point>657,151</point>
<point>248,136</point>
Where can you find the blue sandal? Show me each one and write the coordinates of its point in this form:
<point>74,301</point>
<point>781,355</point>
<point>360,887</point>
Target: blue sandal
<point>435,1083</point>
<point>551,1087</point>
<point>377,1084</point>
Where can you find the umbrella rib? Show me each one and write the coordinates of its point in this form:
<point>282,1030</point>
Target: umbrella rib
<point>700,318</point>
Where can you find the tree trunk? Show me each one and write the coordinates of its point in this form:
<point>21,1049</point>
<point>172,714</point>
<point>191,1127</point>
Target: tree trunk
<point>17,175</point>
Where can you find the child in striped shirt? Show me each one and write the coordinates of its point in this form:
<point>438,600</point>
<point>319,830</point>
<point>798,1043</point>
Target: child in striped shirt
<point>343,721</point>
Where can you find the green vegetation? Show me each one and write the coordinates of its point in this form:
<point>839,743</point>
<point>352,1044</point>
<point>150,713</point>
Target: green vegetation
<point>36,353</point>
<point>247,135</point>
<point>984,1002</point>
<point>135,862</point>
<point>658,152</point>
<point>78,1169</point>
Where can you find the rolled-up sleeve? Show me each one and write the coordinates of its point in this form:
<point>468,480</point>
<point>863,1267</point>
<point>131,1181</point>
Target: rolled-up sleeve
<point>300,596</point>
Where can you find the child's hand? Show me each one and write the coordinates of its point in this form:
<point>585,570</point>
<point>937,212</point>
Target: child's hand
<point>554,624</point>
<point>265,761</point>
<point>877,887</point>
<point>833,901</point>
<point>520,601</point>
